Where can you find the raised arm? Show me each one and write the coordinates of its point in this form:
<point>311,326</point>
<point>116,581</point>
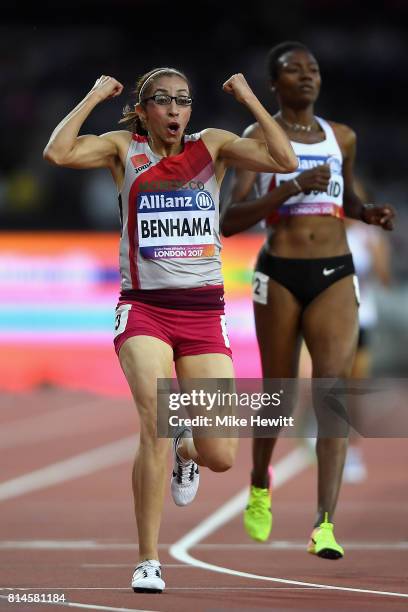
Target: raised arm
<point>272,152</point>
<point>66,148</point>
<point>240,213</point>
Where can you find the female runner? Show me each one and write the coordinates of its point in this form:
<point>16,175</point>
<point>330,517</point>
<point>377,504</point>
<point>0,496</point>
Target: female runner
<point>171,305</point>
<point>304,282</point>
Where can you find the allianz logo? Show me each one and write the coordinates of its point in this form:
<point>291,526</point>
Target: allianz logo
<point>306,163</point>
<point>163,201</point>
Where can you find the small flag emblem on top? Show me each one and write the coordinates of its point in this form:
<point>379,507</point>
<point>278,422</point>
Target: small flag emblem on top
<point>139,160</point>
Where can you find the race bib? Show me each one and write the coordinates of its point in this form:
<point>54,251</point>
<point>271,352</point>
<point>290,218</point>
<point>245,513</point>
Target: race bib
<point>356,289</point>
<point>121,317</point>
<point>260,283</point>
<point>174,224</point>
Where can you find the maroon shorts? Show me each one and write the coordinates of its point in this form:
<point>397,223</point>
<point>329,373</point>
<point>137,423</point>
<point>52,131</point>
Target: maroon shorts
<point>188,332</point>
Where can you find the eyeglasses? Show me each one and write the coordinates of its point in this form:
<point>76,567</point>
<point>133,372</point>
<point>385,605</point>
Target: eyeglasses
<point>164,100</point>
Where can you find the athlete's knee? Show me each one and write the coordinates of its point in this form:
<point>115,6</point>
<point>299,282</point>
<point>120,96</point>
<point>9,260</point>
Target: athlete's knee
<point>146,405</point>
<point>148,431</point>
<point>222,459</point>
<point>149,442</point>
<point>219,463</point>
<point>332,369</point>
<point>145,400</point>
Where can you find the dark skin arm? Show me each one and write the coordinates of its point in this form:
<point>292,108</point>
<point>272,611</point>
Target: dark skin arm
<point>353,206</point>
<point>241,214</point>
<point>381,256</point>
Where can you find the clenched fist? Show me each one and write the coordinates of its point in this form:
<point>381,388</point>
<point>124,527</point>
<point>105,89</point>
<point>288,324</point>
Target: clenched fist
<point>238,87</point>
<point>106,87</point>
<point>316,179</point>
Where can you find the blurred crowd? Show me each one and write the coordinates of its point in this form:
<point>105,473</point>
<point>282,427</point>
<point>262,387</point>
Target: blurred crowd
<point>49,62</point>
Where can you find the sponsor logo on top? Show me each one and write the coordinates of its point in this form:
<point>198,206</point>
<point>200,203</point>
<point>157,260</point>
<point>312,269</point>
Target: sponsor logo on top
<point>140,162</point>
<point>184,200</point>
<point>307,162</point>
<point>204,200</point>
<point>335,164</point>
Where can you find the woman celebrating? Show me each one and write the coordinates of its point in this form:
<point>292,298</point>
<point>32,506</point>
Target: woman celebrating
<point>304,281</point>
<point>171,305</point>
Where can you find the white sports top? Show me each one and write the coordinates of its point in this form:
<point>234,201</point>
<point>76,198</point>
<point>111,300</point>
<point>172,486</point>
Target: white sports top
<point>169,208</point>
<point>309,156</point>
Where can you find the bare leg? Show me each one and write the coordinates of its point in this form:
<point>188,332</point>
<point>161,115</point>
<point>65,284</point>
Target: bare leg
<point>362,366</point>
<point>143,360</point>
<point>217,454</point>
<point>277,328</point>
<point>330,327</point>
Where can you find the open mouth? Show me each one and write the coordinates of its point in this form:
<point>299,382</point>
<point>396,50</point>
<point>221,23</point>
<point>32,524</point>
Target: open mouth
<point>173,128</point>
<point>306,87</point>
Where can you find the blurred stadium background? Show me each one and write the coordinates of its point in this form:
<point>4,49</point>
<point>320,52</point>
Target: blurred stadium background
<point>59,227</point>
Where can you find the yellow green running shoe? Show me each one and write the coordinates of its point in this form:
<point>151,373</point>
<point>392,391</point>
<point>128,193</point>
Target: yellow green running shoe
<point>258,514</point>
<point>323,543</point>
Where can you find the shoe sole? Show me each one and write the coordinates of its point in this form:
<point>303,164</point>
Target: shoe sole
<point>142,590</point>
<point>326,553</point>
<point>255,538</point>
<point>329,553</point>
<point>259,539</point>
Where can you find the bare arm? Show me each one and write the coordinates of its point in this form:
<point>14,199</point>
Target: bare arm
<point>66,148</point>
<point>353,206</point>
<point>380,250</point>
<point>241,214</point>
<point>271,152</point>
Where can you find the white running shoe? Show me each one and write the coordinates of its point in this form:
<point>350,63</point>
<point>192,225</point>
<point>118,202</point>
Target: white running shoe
<point>185,478</point>
<point>147,577</point>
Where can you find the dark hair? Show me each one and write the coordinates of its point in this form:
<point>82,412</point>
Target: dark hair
<point>130,116</point>
<point>276,53</point>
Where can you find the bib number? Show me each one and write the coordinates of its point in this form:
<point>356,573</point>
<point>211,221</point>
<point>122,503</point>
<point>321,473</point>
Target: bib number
<point>121,318</point>
<point>260,288</point>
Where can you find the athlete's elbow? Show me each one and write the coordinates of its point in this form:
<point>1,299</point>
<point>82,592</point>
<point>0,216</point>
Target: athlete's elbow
<point>292,166</point>
<point>289,163</point>
<point>226,231</point>
<point>227,227</point>
<point>52,155</point>
<point>284,163</point>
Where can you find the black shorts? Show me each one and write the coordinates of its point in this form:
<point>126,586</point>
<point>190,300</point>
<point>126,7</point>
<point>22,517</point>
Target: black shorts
<point>304,278</point>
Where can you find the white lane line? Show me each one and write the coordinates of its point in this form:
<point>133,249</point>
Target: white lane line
<point>291,465</point>
<point>72,604</point>
<point>120,565</point>
<point>287,545</point>
<point>205,588</point>
<point>259,548</point>
<point>47,425</point>
<point>280,588</point>
<point>83,464</point>
<point>70,544</point>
